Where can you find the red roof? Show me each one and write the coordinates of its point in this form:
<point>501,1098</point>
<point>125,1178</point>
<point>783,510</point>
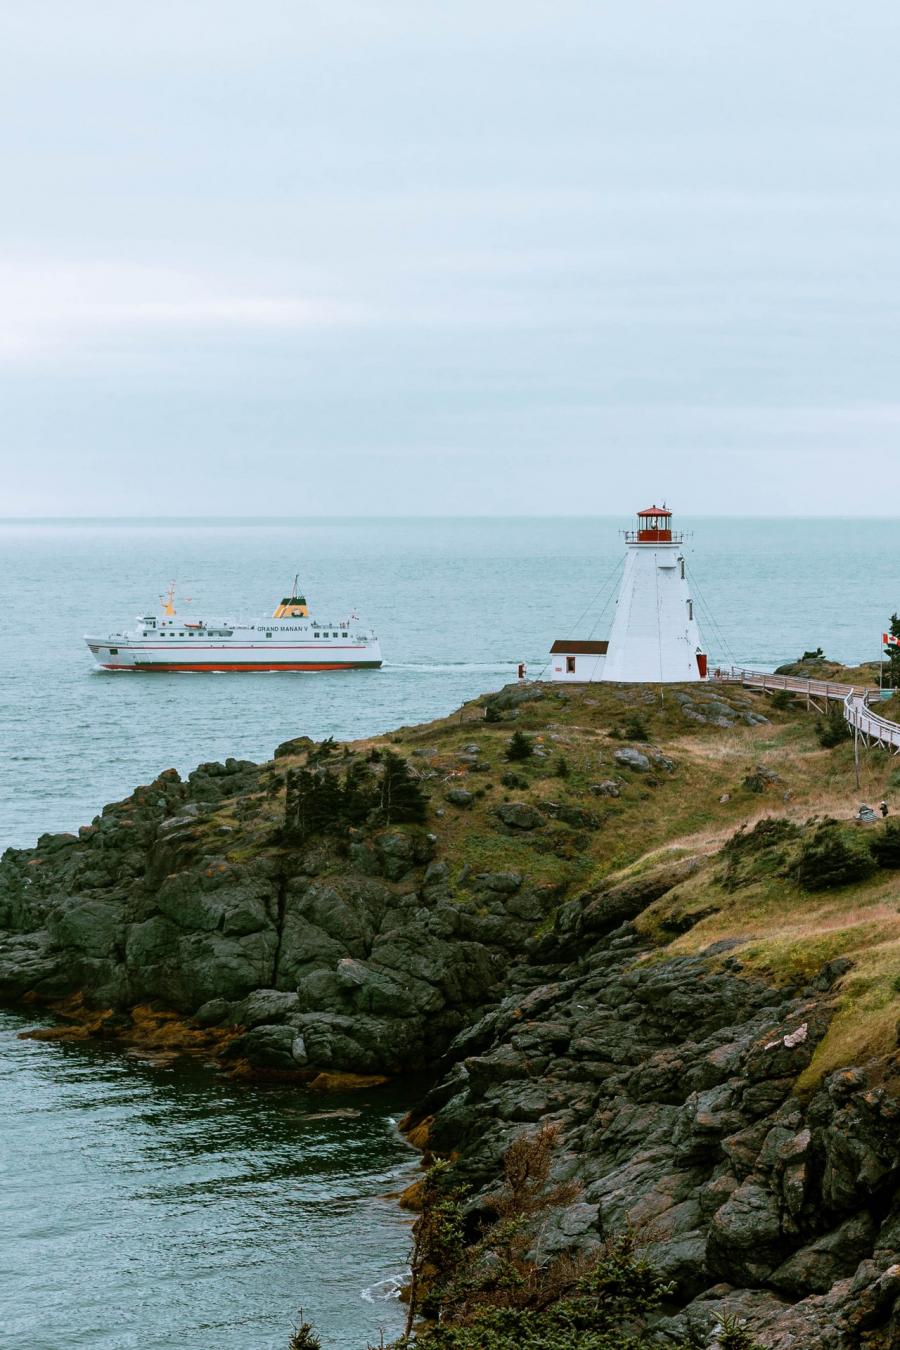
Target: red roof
<point>578,647</point>
<point>655,511</point>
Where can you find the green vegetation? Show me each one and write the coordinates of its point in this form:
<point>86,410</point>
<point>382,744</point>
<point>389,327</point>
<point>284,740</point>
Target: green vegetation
<point>318,800</point>
<point>520,747</point>
<point>491,1291</point>
<point>635,728</point>
<point>833,728</point>
<point>752,855</point>
<point>304,1338</point>
<point>828,858</point>
<point>885,845</point>
<point>401,797</point>
<point>892,654</point>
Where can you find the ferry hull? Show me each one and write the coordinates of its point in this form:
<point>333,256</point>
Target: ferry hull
<point>237,667</point>
<point>246,658</point>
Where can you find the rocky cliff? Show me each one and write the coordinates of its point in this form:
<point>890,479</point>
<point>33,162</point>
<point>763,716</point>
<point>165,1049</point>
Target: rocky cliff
<point>647,921</point>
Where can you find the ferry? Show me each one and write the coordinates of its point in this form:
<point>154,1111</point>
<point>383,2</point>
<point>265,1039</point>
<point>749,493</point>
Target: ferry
<point>289,640</point>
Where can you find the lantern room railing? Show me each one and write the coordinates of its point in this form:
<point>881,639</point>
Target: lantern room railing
<point>653,536</point>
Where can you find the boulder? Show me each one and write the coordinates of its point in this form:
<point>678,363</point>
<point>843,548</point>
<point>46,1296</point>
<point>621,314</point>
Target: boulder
<point>815,1268</point>
<point>520,816</point>
<point>630,758</point>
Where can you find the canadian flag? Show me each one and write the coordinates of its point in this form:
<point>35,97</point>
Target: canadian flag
<point>889,640</point>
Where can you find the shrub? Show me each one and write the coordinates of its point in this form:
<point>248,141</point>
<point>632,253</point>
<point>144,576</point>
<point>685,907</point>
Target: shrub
<point>817,655</point>
<point>520,746</point>
<point>474,1275</point>
<point>766,832</point>
<point>828,860</point>
<point>763,851</point>
<point>833,728</point>
<point>304,1338</point>
<point>782,698</point>
<point>561,768</point>
<point>731,1334</point>
<point>492,713</point>
<point>885,846</point>
<point>635,728</point>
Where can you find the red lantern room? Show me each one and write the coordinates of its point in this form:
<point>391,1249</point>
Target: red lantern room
<point>654,525</point>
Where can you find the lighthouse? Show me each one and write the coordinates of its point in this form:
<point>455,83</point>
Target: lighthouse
<point>654,637</point>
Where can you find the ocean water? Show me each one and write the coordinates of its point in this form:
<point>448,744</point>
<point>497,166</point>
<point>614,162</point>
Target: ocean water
<point>160,1206</point>
<point>145,1207</point>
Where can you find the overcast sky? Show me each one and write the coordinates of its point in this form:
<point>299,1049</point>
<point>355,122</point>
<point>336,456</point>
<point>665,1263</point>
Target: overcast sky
<point>449,256</point>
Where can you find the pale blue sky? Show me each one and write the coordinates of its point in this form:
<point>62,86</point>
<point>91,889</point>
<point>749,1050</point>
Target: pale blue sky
<point>452,257</point>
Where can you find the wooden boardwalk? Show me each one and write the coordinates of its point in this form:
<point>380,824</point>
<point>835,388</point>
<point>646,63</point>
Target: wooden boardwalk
<point>867,725</point>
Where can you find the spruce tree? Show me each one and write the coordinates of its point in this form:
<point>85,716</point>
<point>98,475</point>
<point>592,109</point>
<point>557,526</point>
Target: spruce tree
<point>520,746</point>
<point>359,793</point>
<point>402,798</point>
<point>893,655</point>
<point>313,804</point>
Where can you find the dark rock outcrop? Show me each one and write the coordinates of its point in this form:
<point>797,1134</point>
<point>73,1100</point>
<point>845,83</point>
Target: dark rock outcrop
<point>673,1085</point>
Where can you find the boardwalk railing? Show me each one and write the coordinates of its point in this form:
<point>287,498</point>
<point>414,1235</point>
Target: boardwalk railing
<point>871,728</point>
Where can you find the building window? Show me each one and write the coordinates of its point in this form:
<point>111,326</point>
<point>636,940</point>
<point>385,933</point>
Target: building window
<point>570,665</point>
<point>114,651</point>
<point>268,634</point>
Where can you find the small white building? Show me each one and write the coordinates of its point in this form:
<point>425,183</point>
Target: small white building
<point>576,661</point>
<point>654,637</point>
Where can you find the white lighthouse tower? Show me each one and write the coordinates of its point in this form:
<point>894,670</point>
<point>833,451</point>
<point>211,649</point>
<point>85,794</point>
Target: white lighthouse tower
<point>654,638</point>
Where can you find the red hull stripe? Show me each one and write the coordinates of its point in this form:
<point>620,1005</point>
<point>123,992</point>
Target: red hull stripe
<point>237,647</point>
<point>166,668</point>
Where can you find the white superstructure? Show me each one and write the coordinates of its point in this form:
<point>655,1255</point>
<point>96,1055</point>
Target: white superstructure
<point>654,637</point>
<point>288,641</point>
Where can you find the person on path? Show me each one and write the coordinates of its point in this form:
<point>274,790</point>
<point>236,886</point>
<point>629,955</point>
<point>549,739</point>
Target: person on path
<point>883,808</point>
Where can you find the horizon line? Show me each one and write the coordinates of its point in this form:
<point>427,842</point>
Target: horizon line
<point>411,516</point>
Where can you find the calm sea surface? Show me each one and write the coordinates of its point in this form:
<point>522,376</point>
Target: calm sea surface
<point>164,1208</point>
<point>145,1208</point>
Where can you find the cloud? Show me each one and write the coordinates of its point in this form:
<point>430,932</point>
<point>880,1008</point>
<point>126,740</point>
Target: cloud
<point>48,306</point>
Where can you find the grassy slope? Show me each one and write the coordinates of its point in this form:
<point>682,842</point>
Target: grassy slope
<point>692,810</point>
